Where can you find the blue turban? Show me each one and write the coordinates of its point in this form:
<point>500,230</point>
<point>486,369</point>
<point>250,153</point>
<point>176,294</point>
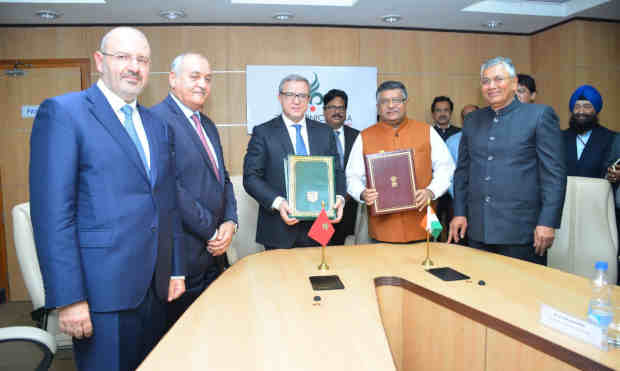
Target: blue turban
<point>588,92</point>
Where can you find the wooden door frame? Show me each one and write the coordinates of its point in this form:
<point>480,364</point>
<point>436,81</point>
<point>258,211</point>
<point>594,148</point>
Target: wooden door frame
<point>84,65</point>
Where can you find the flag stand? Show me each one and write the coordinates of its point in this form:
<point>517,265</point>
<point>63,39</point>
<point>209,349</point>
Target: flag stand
<point>323,266</point>
<point>428,263</point>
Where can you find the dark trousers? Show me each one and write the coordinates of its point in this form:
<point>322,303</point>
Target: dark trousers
<point>121,340</point>
<point>445,213</point>
<point>176,308</point>
<point>302,239</point>
<point>523,252</point>
<point>618,228</point>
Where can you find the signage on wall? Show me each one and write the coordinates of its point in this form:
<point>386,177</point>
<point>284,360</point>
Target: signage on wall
<point>360,84</point>
<point>29,111</point>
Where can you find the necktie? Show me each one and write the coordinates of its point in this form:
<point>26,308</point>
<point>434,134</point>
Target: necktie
<point>131,130</point>
<point>203,139</point>
<point>340,151</point>
<point>300,146</point>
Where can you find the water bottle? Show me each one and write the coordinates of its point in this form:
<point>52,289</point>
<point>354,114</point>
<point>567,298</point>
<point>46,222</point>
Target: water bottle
<point>600,310</point>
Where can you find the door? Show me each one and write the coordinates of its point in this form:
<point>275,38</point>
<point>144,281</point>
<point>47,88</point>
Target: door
<point>20,95</point>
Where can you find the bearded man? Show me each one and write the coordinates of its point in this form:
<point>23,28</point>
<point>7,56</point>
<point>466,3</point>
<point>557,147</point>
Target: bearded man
<point>586,142</point>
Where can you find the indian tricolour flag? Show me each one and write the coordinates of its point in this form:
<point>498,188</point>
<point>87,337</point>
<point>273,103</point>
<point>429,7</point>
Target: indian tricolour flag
<point>431,223</point>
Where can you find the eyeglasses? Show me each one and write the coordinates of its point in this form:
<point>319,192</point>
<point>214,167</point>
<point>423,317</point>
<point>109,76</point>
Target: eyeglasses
<point>336,108</point>
<point>497,80</point>
<point>290,96</point>
<point>127,58</point>
<point>396,101</point>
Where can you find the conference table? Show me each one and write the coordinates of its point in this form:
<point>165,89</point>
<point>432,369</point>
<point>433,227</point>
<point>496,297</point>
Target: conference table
<point>262,314</point>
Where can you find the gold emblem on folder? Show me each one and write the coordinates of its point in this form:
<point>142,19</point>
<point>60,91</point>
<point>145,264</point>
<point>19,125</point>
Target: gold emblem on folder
<point>312,196</point>
<point>394,181</point>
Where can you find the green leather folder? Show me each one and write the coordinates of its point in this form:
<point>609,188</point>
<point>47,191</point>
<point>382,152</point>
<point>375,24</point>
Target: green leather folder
<point>309,184</point>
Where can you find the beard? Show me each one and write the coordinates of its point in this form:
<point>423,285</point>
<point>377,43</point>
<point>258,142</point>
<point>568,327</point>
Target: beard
<point>582,123</point>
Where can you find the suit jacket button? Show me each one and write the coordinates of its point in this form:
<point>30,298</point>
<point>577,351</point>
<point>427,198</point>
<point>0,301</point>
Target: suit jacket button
<point>491,138</point>
<point>487,178</point>
<point>490,158</point>
<point>487,199</point>
<point>153,229</point>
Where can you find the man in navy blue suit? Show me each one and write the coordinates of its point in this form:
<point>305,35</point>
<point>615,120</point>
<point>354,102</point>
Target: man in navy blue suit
<point>104,210</point>
<point>263,166</point>
<point>206,197</point>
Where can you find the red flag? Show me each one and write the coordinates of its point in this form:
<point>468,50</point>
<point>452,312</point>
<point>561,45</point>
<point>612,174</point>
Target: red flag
<point>322,230</point>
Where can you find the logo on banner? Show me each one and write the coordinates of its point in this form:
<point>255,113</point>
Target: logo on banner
<point>316,98</point>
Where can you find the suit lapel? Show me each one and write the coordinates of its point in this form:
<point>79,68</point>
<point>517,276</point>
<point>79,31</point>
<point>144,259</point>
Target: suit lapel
<point>102,111</point>
<point>281,133</point>
<point>190,131</point>
<point>211,132</point>
<point>151,135</point>
<point>349,138</point>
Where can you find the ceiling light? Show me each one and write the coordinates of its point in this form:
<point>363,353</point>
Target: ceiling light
<point>391,18</point>
<point>297,2</point>
<point>283,16</point>
<point>48,15</point>
<point>171,15</point>
<point>493,24</point>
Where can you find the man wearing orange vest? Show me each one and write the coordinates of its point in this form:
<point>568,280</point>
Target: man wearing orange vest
<point>432,161</point>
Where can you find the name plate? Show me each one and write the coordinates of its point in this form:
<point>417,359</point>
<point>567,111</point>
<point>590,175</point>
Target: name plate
<point>573,326</point>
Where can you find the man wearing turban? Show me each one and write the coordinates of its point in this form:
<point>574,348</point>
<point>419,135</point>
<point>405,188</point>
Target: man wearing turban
<point>587,144</point>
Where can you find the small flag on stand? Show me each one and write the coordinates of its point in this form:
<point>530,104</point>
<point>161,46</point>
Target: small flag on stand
<point>322,230</point>
<point>430,223</point>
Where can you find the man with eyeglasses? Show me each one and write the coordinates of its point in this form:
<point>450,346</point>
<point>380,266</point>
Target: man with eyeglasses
<point>206,197</point>
<point>510,180</point>
<point>526,88</point>
<point>104,211</point>
<point>432,162</point>
<point>263,165</point>
<point>335,104</point>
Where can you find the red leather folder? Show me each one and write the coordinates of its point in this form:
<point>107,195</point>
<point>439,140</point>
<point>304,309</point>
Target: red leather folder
<point>392,174</point>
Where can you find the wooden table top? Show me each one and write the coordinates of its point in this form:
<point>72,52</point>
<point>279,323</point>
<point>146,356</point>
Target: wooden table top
<point>260,314</point>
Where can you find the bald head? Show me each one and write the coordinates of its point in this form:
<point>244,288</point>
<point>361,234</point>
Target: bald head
<point>124,62</point>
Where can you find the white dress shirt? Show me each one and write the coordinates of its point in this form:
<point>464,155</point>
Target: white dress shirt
<point>189,113</point>
<point>117,103</point>
<point>441,160</point>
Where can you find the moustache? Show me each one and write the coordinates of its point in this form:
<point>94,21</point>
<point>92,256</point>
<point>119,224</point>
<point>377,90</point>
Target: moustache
<point>132,74</point>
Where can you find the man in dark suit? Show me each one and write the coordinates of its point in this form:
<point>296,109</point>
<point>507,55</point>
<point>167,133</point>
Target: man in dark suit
<point>104,210</point>
<point>206,198</point>
<point>263,166</point>
<point>510,181</point>
<point>586,143</point>
<point>335,104</point>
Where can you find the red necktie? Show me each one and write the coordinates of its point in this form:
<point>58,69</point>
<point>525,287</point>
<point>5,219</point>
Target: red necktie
<point>203,139</point>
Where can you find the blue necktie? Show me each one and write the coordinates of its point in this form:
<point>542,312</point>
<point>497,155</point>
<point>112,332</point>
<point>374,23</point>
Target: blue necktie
<point>131,130</point>
<point>300,146</point>
<point>340,151</point>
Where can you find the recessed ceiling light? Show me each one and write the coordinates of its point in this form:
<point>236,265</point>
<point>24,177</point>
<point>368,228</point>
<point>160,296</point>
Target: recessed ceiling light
<point>297,2</point>
<point>391,18</point>
<point>283,16</point>
<point>48,15</point>
<point>171,15</point>
<point>493,24</point>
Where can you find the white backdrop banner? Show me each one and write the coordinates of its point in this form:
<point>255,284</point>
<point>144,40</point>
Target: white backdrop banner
<point>360,84</point>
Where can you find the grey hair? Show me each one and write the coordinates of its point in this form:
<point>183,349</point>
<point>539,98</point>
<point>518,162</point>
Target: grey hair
<point>177,62</point>
<point>104,39</point>
<point>506,62</point>
<point>292,77</point>
<point>391,85</point>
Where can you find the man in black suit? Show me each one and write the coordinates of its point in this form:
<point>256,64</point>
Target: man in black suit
<point>263,166</point>
<point>335,104</point>
<point>206,198</point>
<point>510,181</point>
<point>586,143</point>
